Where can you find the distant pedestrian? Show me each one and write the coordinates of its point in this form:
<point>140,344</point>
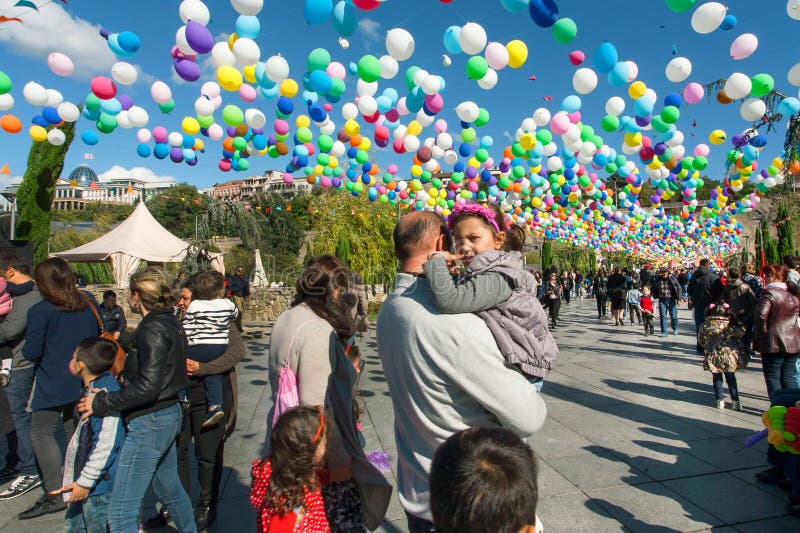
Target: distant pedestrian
<point>648,314</point>
<point>704,288</point>
<point>633,297</point>
<point>668,292</point>
<point>616,292</point>
<point>600,291</point>
<point>239,289</point>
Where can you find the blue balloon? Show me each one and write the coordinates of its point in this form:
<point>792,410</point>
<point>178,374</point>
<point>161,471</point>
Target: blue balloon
<point>50,115</point>
<point>514,5</point>
<point>161,151</point>
<point>189,155</point>
<point>729,22</point>
<point>89,137</point>
<point>317,11</point>
<point>789,106</point>
<point>643,106</point>
<point>605,58</point>
<point>391,93</point>
<point>673,99</point>
<point>465,150</point>
<point>271,92</point>
<point>143,150</point>
<point>129,42</point>
<point>188,141</point>
<point>571,103</point>
<point>544,13</point>
<point>112,107</point>
<point>248,27</point>
<point>384,103</point>
<point>285,106</point>
<point>116,47</point>
<point>259,142</point>
<point>317,113</point>
<point>91,114</point>
<point>320,81</point>
<point>619,74</point>
<point>451,39</point>
<point>310,96</point>
<point>345,18</point>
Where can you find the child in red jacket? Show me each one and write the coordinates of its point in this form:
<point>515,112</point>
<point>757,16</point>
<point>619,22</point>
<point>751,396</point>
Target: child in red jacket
<point>285,491</point>
<point>646,304</point>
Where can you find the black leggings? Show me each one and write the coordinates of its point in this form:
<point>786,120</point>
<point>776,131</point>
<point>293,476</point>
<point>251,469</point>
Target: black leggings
<point>45,425</point>
<point>555,307</point>
<point>601,304</point>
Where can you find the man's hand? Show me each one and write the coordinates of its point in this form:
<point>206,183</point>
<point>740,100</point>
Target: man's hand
<point>116,335</point>
<point>192,367</point>
<point>78,493</point>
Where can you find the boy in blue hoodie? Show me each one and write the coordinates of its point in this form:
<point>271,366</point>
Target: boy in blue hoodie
<point>91,459</point>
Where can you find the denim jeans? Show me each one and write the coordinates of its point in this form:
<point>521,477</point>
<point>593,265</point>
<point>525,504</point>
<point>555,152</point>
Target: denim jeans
<point>90,515</point>
<point>733,388</point>
<point>148,455</point>
<point>537,383</point>
<point>671,307</point>
<point>18,392</point>
<point>699,318</point>
<point>418,525</point>
<point>779,370</point>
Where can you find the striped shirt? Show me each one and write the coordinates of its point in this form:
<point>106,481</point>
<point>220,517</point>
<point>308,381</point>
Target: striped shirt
<point>207,321</point>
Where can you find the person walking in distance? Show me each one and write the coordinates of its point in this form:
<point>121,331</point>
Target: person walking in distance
<point>239,289</point>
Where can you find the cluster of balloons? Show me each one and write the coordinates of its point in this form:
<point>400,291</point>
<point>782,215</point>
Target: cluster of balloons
<point>123,44</point>
<point>471,39</point>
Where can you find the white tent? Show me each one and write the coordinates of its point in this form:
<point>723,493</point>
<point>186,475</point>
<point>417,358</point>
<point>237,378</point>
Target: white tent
<point>259,275</point>
<point>139,237</point>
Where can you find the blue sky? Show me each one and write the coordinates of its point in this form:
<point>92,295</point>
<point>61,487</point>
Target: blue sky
<point>642,31</point>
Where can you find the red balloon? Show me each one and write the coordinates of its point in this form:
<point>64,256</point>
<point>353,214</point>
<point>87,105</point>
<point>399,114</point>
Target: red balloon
<point>372,119</point>
<point>103,88</point>
<point>398,146</point>
<point>366,5</point>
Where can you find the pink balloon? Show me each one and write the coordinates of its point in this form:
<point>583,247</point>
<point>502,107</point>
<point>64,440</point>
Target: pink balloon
<point>440,126</point>
<point>281,127</point>
<point>401,107</point>
<point>60,64</point>
<point>392,115</point>
<point>744,46</point>
<point>702,150</point>
<point>103,88</point>
<point>144,135</point>
<point>633,71</point>
<point>160,134</point>
<point>576,57</point>
<point>496,55</point>
<point>434,102</point>
<point>210,89</point>
<point>575,117</point>
<point>247,93</point>
<point>392,169</point>
<point>693,93</point>
<point>336,70</point>
<point>215,132</point>
<point>559,123</point>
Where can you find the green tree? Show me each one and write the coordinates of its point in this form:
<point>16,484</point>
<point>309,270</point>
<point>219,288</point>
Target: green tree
<point>35,195</point>
<point>766,246</point>
<point>547,255</point>
<point>785,226</point>
<point>282,231</point>
<point>180,209</point>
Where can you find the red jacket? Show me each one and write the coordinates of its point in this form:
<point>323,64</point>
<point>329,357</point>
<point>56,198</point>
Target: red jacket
<point>647,304</point>
<point>312,516</point>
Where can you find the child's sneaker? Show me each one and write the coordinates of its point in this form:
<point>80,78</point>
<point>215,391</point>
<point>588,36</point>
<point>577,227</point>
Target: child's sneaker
<point>736,405</point>
<point>213,416</point>
<point>720,405</point>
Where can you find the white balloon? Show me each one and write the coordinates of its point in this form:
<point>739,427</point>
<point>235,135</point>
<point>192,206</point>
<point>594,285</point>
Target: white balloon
<point>210,89</point>
<point>679,151</point>
<point>793,9</point>
<point>572,134</point>
<point>489,80</point>
<point>446,61</point>
<point>738,85</point>
<point>615,105</point>
<point>182,43</point>
<point>753,109</point>
<point>678,69</point>
<point>204,107</point>
<point>431,165</point>
<point>344,43</point>
<point>175,139</point>
<point>277,69</point>
<point>424,119</point>
<point>367,105</point>
<point>411,143</point>
<point>450,157</point>
<point>255,118</point>
<point>444,141</point>
<point>328,128</point>
<point>138,117</point>
<point>366,88</point>
<point>541,117</point>
<point>338,149</point>
<point>54,98</point>
<point>7,102</point>
<point>124,121</point>
<point>124,73</point>
<point>217,101</point>
<point>399,44</point>
<point>68,112</point>
<point>34,94</point>
<point>633,71</point>
<point>676,140</point>
<point>528,125</point>
<point>389,67</point>
<point>194,10</point>
<point>496,55</point>
<point>467,111</point>
<point>584,80</point>
<point>349,111</point>
<point>221,55</point>
<point>419,77</point>
<point>247,7</point>
<point>399,132</point>
<point>794,74</point>
<point>215,132</point>
<point>651,94</point>
<point>437,152</point>
<point>431,84</point>
<point>56,137</point>
<point>708,17</point>
<point>472,38</point>
<point>554,163</point>
<point>246,51</point>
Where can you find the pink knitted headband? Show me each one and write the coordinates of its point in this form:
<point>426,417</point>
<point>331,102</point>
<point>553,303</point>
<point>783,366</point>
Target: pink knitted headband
<point>472,208</point>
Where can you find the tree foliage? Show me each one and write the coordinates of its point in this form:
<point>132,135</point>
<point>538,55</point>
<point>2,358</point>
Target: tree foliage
<point>100,273</point>
<point>785,225</point>
<point>35,195</point>
<point>547,255</point>
<point>766,246</point>
<point>358,232</point>
<point>176,210</point>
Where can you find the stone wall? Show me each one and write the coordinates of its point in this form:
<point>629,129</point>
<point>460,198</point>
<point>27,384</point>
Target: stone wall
<point>263,305</point>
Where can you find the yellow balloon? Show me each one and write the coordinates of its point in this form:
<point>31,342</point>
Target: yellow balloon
<point>351,127</point>
<point>414,128</point>
<point>38,133</point>
<point>303,121</point>
<point>777,162</point>
<point>717,137</point>
<point>527,141</point>
<point>250,73</point>
<point>517,53</point>
<point>633,139</point>
<point>561,180</point>
<point>232,39</point>
<point>333,163</point>
<point>229,78</point>
<point>636,89</point>
<point>655,164</point>
<point>416,171</point>
<point>474,163</point>
<point>536,202</point>
<point>318,170</point>
<point>366,144</point>
<point>289,88</point>
<point>190,126</point>
<point>200,145</point>
<point>431,201</point>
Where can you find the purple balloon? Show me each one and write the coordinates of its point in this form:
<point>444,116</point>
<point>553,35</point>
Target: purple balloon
<point>643,121</point>
<point>755,437</point>
<point>273,140</point>
<point>176,154</point>
<point>659,148</point>
<point>188,70</point>
<point>336,182</point>
<point>104,33</point>
<point>125,101</point>
<point>231,131</point>
<point>199,38</point>
<point>471,172</point>
<point>739,140</point>
<point>191,162</point>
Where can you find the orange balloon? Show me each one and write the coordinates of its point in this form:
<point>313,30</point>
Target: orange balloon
<point>227,145</point>
<point>241,130</point>
<point>282,147</point>
<point>507,153</point>
<point>355,141</point>
<point>723,98</point>
<point>10,124</point>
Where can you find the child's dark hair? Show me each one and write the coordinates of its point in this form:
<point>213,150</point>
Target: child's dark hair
<point>97,354</point>
<point>294,442</point>
<point>483,479</point>
<point>515,238</point>
<point>207,285</point>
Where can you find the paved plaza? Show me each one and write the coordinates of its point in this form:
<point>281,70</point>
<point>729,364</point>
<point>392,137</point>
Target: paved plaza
<point>632,441</point>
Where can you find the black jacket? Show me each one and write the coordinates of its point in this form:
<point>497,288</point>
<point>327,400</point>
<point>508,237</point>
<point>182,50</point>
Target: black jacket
<point>155,370</point>
<point>113,318</point>
<point>704,287</point>
<point>675,288</point>
<point>617,286</point>
<point>239,286</point>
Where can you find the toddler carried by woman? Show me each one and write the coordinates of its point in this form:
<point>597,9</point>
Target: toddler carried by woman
<point>721,338</point>
<point>495,286</point>
<point>286,488</point>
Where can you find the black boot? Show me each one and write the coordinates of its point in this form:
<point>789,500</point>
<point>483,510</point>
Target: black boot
<point>47,504</point>
<point>204,515</point>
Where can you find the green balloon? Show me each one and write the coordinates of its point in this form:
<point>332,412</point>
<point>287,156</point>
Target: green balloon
<point>483,117</point>
<point>325,143</point>
<point>239,143</point>
<point>565,30</point>
<point>587,132</point>
<point>337,88</point>
<point>481,154</point>
<point>610,123</point>
<point>544,136</point>
<point>323,159</point>
<point>597,141</point>
<point>362,156</point>
<point>318,59</point>
<point>468,135</point>
<point>5,83</point>
<point>232,115</point>
<point>92,102</point>
<point>106,123</point>
<point>762,85</point>
<point>700,163</point>
<point>679,6</point>
<point>304,135</point>
<point>168,107</point>
<point>659,125</point>
<point>244,164</point>
<point>272,151</point>
<point>369,68</point>
<point>670,114</point>
<point>517,150</point>
<point>205,122</point>
<point>477,67</point>
<point>410,78</point>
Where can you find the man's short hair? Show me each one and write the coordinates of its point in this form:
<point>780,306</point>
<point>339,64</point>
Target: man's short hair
<point>18,264</point>
<point>207,285</point>
<point>412,229</point>
<point>108,294</point>
<point>96,353</point>
<point>483,479</point>
<point>704,262</point>
<point>790,261</point>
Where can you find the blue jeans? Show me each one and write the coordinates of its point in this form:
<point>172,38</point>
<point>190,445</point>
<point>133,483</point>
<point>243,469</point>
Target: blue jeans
<point>205,353</point>
<point>779,370</point>
<point>18,392</point>
<point>418,525</point>
<point>90,515</point>
<point>537,383</point>
<point>671,307</point>
<point>148,455</point>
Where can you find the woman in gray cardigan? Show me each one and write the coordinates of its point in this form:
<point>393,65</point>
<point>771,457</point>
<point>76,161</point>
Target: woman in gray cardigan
<point>309,338</point>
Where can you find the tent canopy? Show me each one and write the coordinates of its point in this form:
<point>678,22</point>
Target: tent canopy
<point>139,237</point>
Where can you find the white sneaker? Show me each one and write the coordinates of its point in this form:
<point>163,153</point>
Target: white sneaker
<point>21,485</point>
<point>736,405</point>
<point>720,404</point>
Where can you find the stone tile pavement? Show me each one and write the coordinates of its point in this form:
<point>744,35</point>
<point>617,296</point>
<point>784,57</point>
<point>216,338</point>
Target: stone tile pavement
<point>632,441</point>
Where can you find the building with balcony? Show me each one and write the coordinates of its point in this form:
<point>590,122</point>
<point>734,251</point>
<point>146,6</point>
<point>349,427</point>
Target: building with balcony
<point>230,191</point>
